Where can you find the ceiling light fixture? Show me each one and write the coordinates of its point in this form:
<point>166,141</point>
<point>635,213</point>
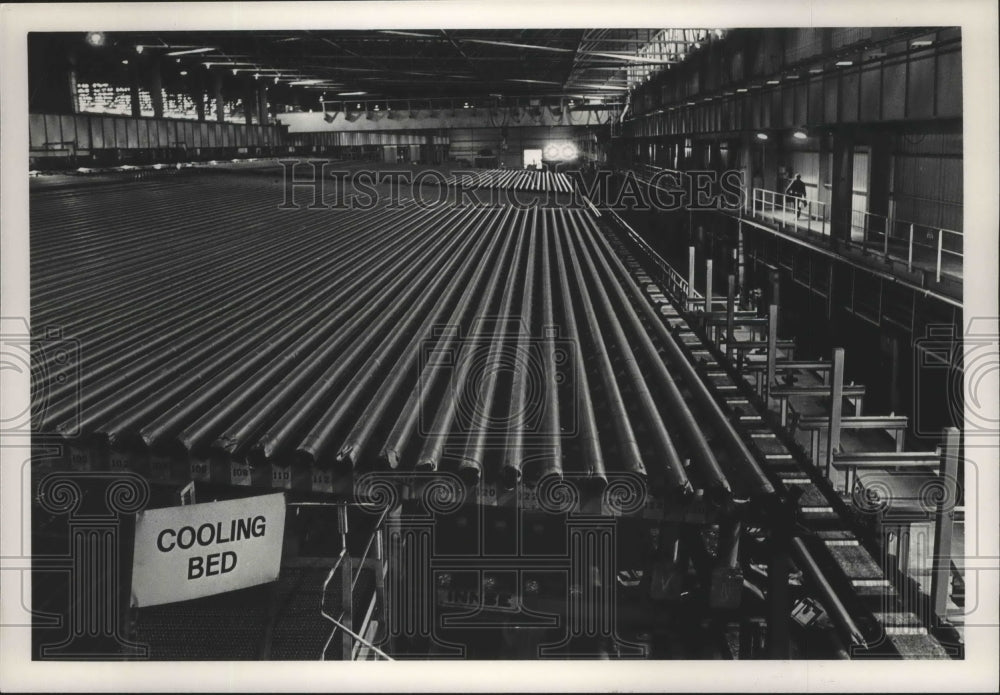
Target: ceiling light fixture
<point>762,136</point>
<point>95,38</point>
<point>800,134</point>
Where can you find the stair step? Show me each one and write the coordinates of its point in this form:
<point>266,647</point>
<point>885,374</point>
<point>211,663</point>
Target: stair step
<point>811,495</point>
<point>836,535</point>
<point>921,646</point>
<point>856,562</point>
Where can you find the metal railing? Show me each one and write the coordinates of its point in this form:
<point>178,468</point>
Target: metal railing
<point>675,283</point>
<point>811,215</point>
<point>648,172</point>
<point>903,240</point>
<point>918,245</point>
<point>349,570</point>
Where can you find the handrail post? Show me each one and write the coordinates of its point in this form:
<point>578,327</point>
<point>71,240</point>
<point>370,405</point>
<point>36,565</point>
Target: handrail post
<point>836,406</point>
<point>909,254</point>
<point>940,244</point>
<point>708,287</point>
<point>944,524</point>
<point>886,234</point>
<point>690,273</point>
<point>772,340</point>
<point>730,318</point>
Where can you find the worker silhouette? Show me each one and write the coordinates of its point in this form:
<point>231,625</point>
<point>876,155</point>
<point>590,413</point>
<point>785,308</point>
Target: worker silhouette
<point>797,189</point>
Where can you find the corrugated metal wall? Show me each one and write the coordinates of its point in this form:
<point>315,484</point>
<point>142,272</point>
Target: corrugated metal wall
<point>906,84</point>
<point>82,133</point>
<point>927,180</point>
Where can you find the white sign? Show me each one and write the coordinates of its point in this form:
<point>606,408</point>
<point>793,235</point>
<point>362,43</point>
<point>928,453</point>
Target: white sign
<point>198,550</point>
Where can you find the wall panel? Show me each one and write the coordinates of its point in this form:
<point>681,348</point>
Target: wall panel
<point>948,88</point>
<point>920,89</point>
<point>871,94</point>
<point>816,100</point>
<point>830,97</point>
<point>848,106</point>
<point>110,133</point>
<point>893,91</point>
<point>96,128</point>
<point>131,133</point>
<point>36,130</point>
<point>53,130</point>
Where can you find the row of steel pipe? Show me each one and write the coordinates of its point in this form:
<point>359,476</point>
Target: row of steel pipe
<point>746,464</point>
<point>428,380</point>
<point>319,362</point>
<point>526,180</point>
<point>95,255</point>
<point>581,403</point>
<point>318,444</point>
<point>680,414</point>
<point>670,471</point>
<point>628,454</point>
<point>217,347</point>
<point>432,450</point>
<point>287,365</point>
<point>111,337</point>
<point>474,455</point>
<point>182,321</point>
<point>356,441</point>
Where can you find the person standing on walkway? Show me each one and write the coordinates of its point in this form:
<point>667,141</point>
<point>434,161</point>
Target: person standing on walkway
<point>797,189</point>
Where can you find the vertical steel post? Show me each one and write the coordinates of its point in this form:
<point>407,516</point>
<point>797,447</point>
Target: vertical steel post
<point>730,318</point>
<point>909,253</point>
<point>836,407</point>
<point>944,523</point>
<point>346,590</point>
<point>690,271</point>
<point>778,598</point>
<point>708,286</point>
<point>939,247</point>
<point>772,348</point>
